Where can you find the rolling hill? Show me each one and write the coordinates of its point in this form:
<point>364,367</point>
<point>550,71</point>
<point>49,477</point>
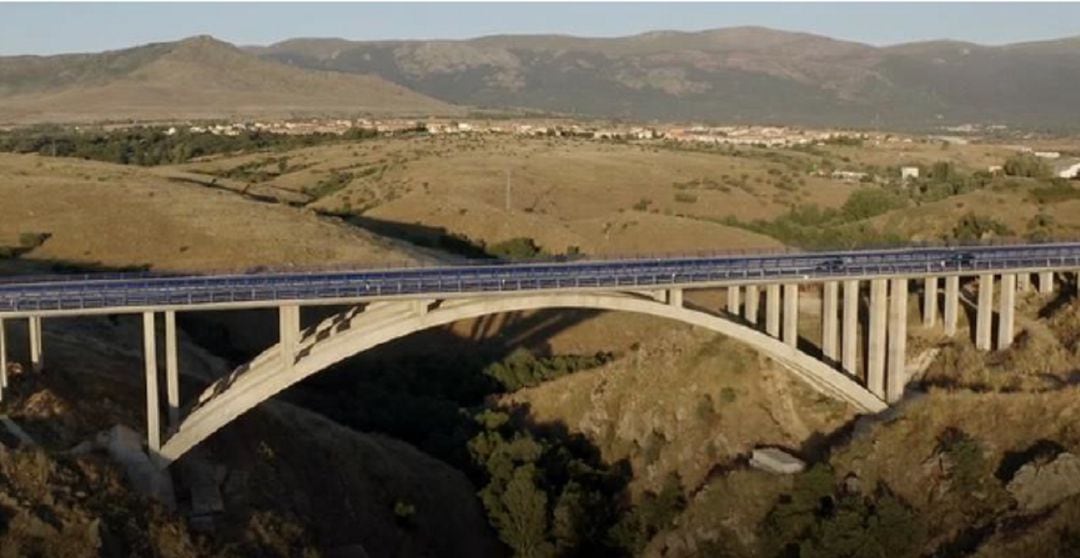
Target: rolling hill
<point>734,74</point>
<point>198,77</point>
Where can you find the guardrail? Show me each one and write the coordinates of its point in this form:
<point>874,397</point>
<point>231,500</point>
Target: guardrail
<point>175,291</point>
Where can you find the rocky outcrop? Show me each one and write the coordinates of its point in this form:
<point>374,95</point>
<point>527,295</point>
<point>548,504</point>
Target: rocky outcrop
<point>1038,486</point>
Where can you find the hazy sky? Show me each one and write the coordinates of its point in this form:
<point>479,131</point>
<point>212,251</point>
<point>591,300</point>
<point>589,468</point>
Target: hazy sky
<point>53,28</point>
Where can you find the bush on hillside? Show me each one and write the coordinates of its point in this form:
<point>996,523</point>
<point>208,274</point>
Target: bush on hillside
<point>1026,165</point>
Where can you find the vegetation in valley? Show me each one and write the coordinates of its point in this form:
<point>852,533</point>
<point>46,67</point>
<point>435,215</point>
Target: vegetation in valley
<point>150,146</point>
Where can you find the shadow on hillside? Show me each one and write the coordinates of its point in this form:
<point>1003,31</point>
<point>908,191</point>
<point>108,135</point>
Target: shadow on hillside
<point>426,236</point>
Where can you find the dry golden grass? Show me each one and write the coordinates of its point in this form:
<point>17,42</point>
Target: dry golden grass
<point>125,216</point>
<point>604,198</point>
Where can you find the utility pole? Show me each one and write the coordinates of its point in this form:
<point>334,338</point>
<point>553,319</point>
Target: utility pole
<point>508,189</point>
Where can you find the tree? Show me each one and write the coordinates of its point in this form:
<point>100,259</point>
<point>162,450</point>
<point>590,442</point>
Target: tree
<point>519,513</point>
<point>1026,165</point>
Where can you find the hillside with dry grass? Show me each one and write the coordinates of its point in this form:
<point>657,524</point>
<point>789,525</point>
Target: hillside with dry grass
<point>112,216</point>
<point>197,78</point>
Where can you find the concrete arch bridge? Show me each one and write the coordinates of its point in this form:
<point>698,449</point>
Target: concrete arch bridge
<point>864,311</point>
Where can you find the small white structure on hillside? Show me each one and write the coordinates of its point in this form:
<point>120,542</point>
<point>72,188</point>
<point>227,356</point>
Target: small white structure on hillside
<point>909,173</point>
<point>1048,154</point>
<point>1067,168</point>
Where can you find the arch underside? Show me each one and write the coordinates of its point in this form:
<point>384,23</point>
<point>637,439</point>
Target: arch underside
<point>357,330</point>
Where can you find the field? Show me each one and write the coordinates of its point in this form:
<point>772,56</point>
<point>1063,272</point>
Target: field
<point>598,197</point>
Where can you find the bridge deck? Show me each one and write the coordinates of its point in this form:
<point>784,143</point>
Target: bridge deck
<point>134,293</point>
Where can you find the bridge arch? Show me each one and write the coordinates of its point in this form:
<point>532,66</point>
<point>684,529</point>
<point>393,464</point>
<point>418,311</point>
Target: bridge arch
<point>355,331</point>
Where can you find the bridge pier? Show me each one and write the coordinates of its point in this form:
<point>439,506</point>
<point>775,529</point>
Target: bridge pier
<point>172,371</point>
<point>930,302</point>
<point>898,310</point>
<point>750,309</point>
<point>829,307</point>
<point>289,331</point>
<point>733,300</point>
<point>1006,311</point>
<point>772,310</point>
<point>791,314</point>
<point>1046,282</point>
<point>850,342</point>
<point>952,303</point>
<point>1023,282</point>
<point>34,335</point>
<point>674,298</point>
<point>153,409</point>
<point>875,350</point>
<point>985,312</point>
<point>3,358</point>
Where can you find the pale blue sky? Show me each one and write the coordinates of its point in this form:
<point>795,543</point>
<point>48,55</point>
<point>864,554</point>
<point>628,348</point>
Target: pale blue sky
<point>54,28</point>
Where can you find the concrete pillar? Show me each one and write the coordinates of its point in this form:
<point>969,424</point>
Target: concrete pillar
<point>1023,282</point>
<point>172,370</point>
<point>34,333</point>
<point>829,306</point>
<point>850,344</point>
<point>3,358</point>
<point>897,371</point>
<point>791,314</point>
<point>772,310</point>
<point>1046,282</point>
<point>733,300</point>
<point>153,410</point>
<point>875,346</point>
<point>674,298</point>
<point>750,309</point>
<point>952,304</point>
<point>289,332</point>
<point>1006,311</point>
<point>985,312</point>
<point>930,296</point>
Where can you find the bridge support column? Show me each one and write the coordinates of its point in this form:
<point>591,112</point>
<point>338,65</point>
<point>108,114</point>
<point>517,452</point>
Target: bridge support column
<point>791,314</point>
<point>172,370</point>
<point>772,310</point>
<point>753,299</point>
<point>952,303</point>
<point>829,306</point>
<point>3,358</point>
<point>1046,282</point>
<point>289,327</point>
<point>34,334</point>
<point>850,343</point>
<point>898,307</point>
<point>422,306</point>
<point>984,314</point>
<point>875,350</point>
<point>930,298</point>
<point>1006,311</point>
<point>674,298</point>
<point>153,409</point>
<point>733,300</point>
<point>1023,282</point>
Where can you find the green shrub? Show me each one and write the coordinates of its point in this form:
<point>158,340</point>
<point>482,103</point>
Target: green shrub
<point>520,248</point>
<point>972,227</point>
<point>30,240</point>
<point>1026,165</point>
<point>522,369</point>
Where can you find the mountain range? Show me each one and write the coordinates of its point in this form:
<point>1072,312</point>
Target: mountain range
<point>740,74</point>
<point>197,78</point>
